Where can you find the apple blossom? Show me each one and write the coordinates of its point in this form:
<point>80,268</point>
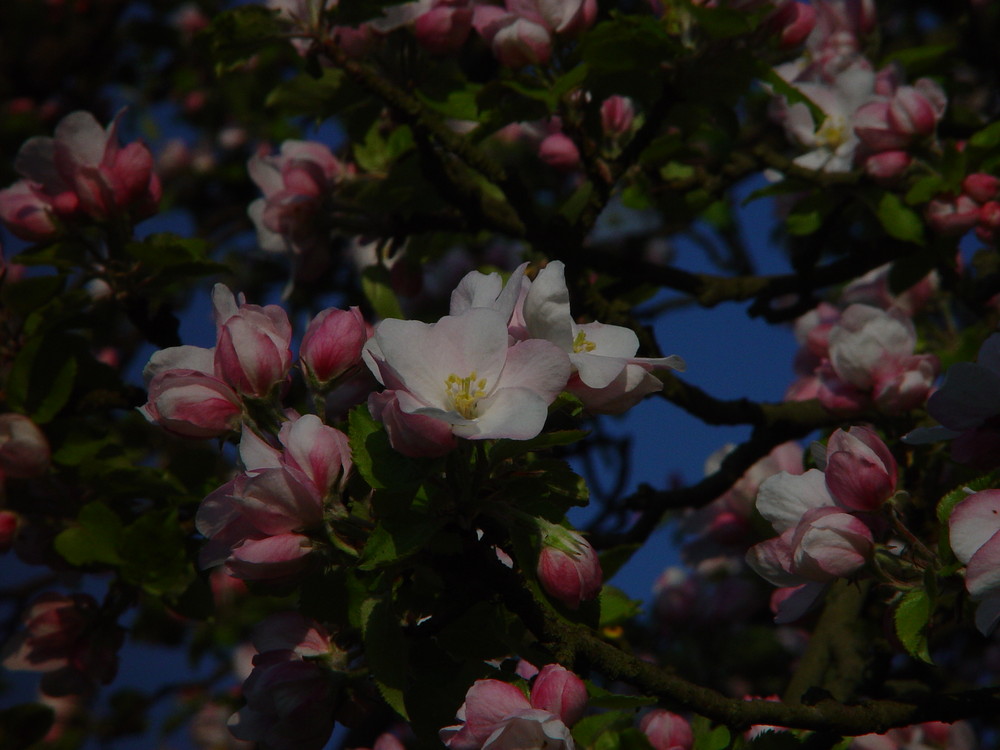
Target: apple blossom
<point>972,532</point>
<point>461,372</point>
<point>617,115</point>
<point>608,378</point>
<point>66,638</point>
<point>83,170</point>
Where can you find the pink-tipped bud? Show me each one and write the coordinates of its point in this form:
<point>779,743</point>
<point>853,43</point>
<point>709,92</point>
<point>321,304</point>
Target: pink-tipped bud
<point>617,114</point>
<point>793,22</point>
<point>442,30</point>
<point>568,567</point>
<point>559,152</point>
<point>981,187</point>
<point>912,113</point>
<point>332,344</point>
<point>560,692</point>
<point>887,165</point>
<point>667,731</point>
<point>952,215</point>
<point>860,470</point>
<point>24,450</point>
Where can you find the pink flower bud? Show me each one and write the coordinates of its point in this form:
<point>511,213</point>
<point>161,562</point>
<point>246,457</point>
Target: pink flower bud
<point>519,42</point>
<point>989,219</point>
<point>568,567</point>
<point>873,126</point>
<point>794,22</point>
<point>981,187</point>
<point>559,152</point>
<point>443,29</point>
<point>252,351</point>
<point>332,344</point>
<point>617,114</point>
<point>887,165</point>
<point>911,113</point>
<point>560,692</point>
<point>667,731</point>
<point>860,470</point>
<point>24,450</point>
<point>192,404</point>
<point>27,215</point>
<point>947,215</point>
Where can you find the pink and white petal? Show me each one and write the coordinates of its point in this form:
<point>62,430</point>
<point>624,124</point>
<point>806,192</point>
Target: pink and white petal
<point>973,522</point>
<point>184,357</point>
<point>784,498</point>
<point>516,413</point>
<point>488,703</point>
<point>982,576</point>
<point>772,560</point>
<point>546,307</point>
<point>609,340</point>
<point>538,366</point>
<point>35,161</point>
<point>632,385</point>
<point>412,435</point>
<point>80,138</point>
<point>256,454</point>
<point>597,371</point>
<point>791,604</point>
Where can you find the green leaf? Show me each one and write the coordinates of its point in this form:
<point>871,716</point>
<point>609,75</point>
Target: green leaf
<point>387,652</point>
<point>42,376</point>
<point>793,95</point>
<point>616,607</point>
<point>377,153</point>
<point>899,221</point>
<point>377,287</point>
<point>381,466</point>
<point>458,104</point>
<point>237,35</point>
<point>590,728</point>
<point>600,698</point>
<point>924,189</point>
<point>395,538</point>
<point>707,737</point>
<point>94,539</point>
<point>721,22</point>
<point>912,617</point>
<point>907,271</point>
<point>987,138</point>
<point>153,553</point>
<point>574,205</point>
<point>300,95</point>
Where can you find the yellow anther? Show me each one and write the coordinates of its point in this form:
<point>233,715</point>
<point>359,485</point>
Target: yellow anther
<point>833,132</point>
<point>581,344</point>
<point>465,392</point>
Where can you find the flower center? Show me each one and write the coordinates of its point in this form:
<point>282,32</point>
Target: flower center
<point>465,392</point>
<point>833,132</point>
<point>581,344</point>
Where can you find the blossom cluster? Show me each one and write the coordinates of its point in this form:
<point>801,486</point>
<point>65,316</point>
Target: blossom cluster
<point>82,174</point>
<point>864,355</point>
<point>824,519</point>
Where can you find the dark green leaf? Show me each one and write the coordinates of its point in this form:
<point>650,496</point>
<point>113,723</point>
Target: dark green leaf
<point>987,138</point>
<point>924,189</point>
<point>387,651</point>
<point>899,221</point>
<point>377,286</point>
<point>94,539</point>
<point>300,95</point>
<point>395,538</point>
<point>380,465</point>
<point>613,559</point>
<point>42,376</point>
<point>503,450</point>
<point>616,607</point>
<point>153,552</point>
<point>588,729</point>
<point>30,294</point>
<point>912,616</point>
<point>237,35</point>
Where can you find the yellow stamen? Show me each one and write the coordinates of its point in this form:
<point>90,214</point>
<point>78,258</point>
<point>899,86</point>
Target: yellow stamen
<point>465,392</point>
<point>833,132</point>
<point>581,344</point>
